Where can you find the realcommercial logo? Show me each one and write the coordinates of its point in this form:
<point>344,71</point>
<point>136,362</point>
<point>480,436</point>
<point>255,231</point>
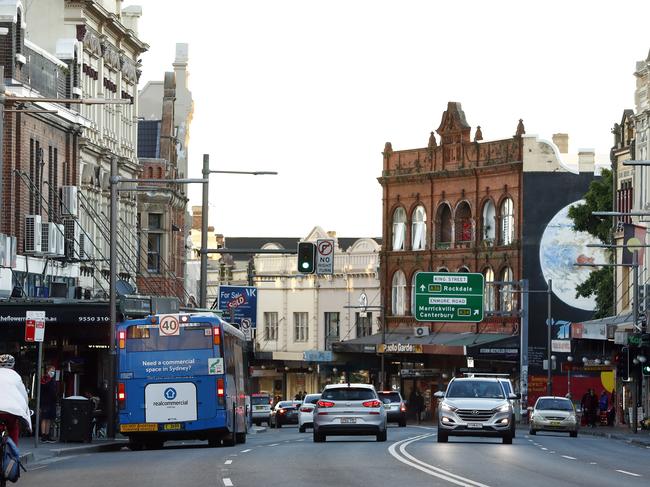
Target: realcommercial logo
<point>170,393</point>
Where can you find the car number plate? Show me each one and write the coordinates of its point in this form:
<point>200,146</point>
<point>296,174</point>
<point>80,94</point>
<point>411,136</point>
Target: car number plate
<point>172,427</point>
<point>348,420</point>
<point>556,423</point>
<point>258,408</point>
<point>476,426</point>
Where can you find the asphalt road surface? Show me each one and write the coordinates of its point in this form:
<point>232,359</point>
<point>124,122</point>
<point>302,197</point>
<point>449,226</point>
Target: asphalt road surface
<point>410,457</point>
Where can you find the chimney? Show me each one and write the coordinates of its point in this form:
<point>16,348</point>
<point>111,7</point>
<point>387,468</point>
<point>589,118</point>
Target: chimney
<point>586,160</point>
<point>331,234</point>
<point>197,212</point>
<point>562,142</point>
<point>130,16</point>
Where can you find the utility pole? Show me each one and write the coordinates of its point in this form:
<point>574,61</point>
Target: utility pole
<point>112,304</point>
<point>523,346</point>
<point>203,283</point>
<point>549,378</point>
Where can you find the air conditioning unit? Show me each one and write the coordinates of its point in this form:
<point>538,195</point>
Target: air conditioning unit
<point>49,238</point>
<point>60,240</point>
<point>69,200</point>
<point>33,226</point>
<point>71,233</point>
<point>86,247</point>
<point>4,250</point>
<point>13,251</point>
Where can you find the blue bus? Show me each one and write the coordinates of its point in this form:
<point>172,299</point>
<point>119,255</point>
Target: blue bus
<point>181,376</point>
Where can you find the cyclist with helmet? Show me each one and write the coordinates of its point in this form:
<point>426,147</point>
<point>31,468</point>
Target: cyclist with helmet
<point>14,404</point>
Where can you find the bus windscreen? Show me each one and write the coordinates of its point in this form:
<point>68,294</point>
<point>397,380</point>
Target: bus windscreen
<point>148,339</point>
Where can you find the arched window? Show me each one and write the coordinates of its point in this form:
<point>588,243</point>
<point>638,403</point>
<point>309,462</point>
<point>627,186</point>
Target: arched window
<point>489,299</point>
<point>442,269</point>
<point>507,300</point>
<point>399,293</point>
<point>463,221</point>
<point>443,226</point>
<point>507,222</point>
<point>489,222</point>
<point>413,293</point>
<point>419,229</point>
<point>399,228</point>
<point>463,268</point>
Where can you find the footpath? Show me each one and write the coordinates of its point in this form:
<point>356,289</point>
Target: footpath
<point>31,455</point>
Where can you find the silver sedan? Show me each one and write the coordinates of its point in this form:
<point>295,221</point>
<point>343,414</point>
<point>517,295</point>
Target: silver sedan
<point>349,409</point>
<point>553,413</point>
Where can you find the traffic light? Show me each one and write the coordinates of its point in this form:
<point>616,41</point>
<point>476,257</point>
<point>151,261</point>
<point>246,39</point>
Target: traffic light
<point>645,370</point>
<point>306,257</point>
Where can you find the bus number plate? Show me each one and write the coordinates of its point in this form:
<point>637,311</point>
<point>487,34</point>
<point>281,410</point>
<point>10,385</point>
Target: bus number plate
<point>172,427</point>
<point>138,427</point>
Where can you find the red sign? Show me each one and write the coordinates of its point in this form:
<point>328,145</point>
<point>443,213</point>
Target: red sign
<point>237,301</point>
<point>30,330</point>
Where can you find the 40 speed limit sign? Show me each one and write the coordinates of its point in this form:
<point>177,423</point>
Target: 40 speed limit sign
<point>168,325</point>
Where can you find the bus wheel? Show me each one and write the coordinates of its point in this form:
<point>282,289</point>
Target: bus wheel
<point>154,445</point>
<point>230,440</point>
<point>135,445</point>
<point>241,437</point>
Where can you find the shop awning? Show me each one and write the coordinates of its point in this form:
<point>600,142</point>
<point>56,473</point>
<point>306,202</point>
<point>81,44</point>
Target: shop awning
<point>602,328</point>
<point>410,343</point>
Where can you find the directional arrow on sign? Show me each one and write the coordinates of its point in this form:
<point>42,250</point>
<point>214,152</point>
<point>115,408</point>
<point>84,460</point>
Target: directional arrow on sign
<point>422,287</point>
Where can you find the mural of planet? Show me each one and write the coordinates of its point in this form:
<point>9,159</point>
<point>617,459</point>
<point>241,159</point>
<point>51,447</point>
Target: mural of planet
<point>562,247</point>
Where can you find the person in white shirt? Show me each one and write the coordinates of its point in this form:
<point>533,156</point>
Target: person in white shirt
<point>14,404</point>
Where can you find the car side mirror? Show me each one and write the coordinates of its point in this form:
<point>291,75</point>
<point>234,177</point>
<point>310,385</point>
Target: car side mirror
<point>439,394</point>
<point>514,396</point>
<point>529,408</point>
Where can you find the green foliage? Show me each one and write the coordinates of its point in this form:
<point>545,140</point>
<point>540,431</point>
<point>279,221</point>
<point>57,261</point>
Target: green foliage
<point>601,284</point>
<point>597,198</point>
<point>601,281</point>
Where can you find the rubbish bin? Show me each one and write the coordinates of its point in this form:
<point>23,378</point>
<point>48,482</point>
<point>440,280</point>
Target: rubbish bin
<point>76,419</point>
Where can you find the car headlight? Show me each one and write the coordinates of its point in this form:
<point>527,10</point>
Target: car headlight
<point>447,407</point>
<point>571,418</point>
<point>503,409</point>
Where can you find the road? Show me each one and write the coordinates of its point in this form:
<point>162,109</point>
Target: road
<point>410,457</point>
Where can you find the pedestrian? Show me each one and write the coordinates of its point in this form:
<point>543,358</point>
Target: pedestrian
<point>603,402</point>
<point>419,405</point>
<point>48,403</point>
<point>13,400</point>
<point>589,404</point>
<point>297,396</point>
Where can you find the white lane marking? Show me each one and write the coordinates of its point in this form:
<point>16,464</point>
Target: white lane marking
<point>545,449</point>
<point>593,463</point>
<point>274,444</point>
<point>227,482</point>
<point>568,457</point>
<point>228,462</point>
<point>629,473</point>
<point>425,428</point>
<point>299,441</point>
<point>425,467</point>
<point>245,451</point>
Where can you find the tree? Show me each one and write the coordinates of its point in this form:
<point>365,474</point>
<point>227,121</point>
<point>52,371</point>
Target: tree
<point>601,281</point>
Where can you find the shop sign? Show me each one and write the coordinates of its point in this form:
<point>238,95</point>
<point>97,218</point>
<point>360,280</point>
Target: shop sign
<point>419,372</point>
<point>399,348</point>
<point>34,326</point>
<point>639,340</point>
<point>590,331</point>
<point>561,346</point>
<point>317,356</point>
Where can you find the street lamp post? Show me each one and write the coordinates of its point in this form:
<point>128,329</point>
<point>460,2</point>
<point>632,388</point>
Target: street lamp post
<point>203,282</point>
<point>569,359</point>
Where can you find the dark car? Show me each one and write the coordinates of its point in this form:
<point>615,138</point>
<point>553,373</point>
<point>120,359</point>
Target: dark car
<point>394,406</point>
<point>284,412</point>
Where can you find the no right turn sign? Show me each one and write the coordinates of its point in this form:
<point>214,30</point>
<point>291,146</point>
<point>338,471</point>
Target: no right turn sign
<point>325,256</point>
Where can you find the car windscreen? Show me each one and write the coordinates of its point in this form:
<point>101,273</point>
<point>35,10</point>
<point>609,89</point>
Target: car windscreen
<point>148,339</point>
<point>286,404</point>
<point>311,398</point>
<point>506,386</point>
<point>348,394</point>
<point>484,389</point>
<point>387,397</point>
<point>554,404</point>
<point>257,400</point>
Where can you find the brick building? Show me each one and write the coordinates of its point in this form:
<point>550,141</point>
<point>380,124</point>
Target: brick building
<point>161,215</point>
<point>452,206</point>
<point>498,208</point>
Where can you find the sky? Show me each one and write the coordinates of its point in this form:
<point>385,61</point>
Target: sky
<point>313,90</point>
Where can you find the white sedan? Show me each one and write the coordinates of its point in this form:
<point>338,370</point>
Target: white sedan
<point>306,412</point>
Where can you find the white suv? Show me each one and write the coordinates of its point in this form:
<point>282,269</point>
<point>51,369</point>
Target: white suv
<point>475,407</point>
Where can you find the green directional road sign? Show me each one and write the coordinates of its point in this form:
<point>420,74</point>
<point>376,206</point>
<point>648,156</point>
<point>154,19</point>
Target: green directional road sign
<point>447,296</point>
